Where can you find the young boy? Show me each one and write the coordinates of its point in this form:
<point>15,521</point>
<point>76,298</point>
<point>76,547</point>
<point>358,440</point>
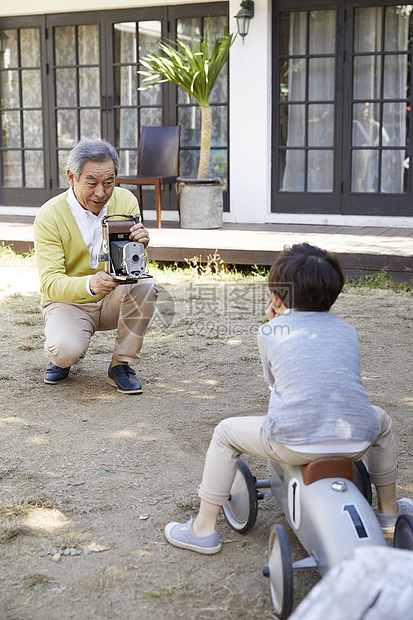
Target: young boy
<point>318,407</point>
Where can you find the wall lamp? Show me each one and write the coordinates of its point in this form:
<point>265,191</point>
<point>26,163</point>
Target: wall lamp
<point>243,17</point>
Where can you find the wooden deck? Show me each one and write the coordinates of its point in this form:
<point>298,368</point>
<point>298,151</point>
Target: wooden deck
<point>360,249</point>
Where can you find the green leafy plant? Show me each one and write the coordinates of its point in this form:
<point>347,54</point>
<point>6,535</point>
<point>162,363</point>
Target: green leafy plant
<point>194,68</point>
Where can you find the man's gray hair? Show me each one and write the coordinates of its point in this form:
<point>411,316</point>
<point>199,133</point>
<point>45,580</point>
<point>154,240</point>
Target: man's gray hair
<point>97,151</point>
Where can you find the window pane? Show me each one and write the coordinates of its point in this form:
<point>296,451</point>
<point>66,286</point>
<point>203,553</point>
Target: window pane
<point>126,85</point>
<point>396,77</point>
<point>88,42</point>
<point>32,88</point>
<point>10,89</point>
<point>150,116</point>
<point>62,164</point>
<point>219,126</point>
<point>321,79</point>
<point>321,125</point>
<point>293,33</point>
<point>67,131</point>
<point>292,170</point>
<point>322,32</point>
<point>366,77</point>
<point>12,169</point>
<point>367,29</point>
<point>33,129</point>
<point>10,56</point>
<point>128,163</point>
<point>152,96</point>
<point>365,165</point>
<point>30,47</point>
<point>219,92</point>
<point>65,45</point>
<point>398,27</point>
<point>89,125</point>
<point>292,86</point>
<point>189,162</point>
<point>218,164</point>
<point>395,123</point>
<point>10,122</point>
<point>89,87</point>
<point>184,98</point>
<point>127,129</point>
<point>366,129</point>
<point>320,171</point>
<point>190,121</point>
<point>218,24</point>
<point>34,168</point>
<point>149,37</point>
<point>184,27</point>
<point>393,172</point>
<point>66,87</point>
<point>292,125</point>
<point>125,42</point>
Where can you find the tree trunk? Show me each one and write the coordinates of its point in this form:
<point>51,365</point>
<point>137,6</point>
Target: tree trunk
<point>205,142</point>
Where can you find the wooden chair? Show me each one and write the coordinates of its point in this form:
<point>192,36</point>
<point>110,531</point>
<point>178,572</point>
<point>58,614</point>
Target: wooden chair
<point>158,163</point>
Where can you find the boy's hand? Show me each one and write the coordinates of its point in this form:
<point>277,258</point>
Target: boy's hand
<point>272,311</point>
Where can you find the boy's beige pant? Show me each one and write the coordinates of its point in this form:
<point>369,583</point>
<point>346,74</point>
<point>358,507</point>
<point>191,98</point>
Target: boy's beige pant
<point>128,309</point>
<point>235,436</point>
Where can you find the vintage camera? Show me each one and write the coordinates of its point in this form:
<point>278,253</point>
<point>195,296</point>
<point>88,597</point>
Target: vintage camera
<point>125,259</point>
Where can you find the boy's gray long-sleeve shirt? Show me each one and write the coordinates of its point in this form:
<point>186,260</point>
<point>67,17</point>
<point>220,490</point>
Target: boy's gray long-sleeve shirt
<point>312,362</point>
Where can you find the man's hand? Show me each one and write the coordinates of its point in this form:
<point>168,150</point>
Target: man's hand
<point>102,283</point>
<point>139,234</point>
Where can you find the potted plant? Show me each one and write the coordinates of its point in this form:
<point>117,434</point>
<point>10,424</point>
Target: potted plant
<point>194,68</point>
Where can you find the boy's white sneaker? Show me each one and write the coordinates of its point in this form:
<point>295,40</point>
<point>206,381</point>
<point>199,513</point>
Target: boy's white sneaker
<point>182,535</point>
<point>388,522</point>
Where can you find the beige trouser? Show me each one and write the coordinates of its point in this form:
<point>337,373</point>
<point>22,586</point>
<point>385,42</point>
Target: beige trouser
<point>69,326</point>
<point>244,434</point>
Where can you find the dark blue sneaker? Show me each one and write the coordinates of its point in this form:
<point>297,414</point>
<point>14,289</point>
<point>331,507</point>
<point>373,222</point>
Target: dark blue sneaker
<point>125,379</point>
<point>55,374</point>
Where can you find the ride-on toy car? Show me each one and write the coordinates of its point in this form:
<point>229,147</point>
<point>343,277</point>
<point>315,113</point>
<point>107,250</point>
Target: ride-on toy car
<point>327,503</point>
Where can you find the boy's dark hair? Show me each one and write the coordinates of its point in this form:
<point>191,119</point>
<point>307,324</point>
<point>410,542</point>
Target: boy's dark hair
<point>306,278</point>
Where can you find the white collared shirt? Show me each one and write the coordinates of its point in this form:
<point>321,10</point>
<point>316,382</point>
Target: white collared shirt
<point>90,226</point>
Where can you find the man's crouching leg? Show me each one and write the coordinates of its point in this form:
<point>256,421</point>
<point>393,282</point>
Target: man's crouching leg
<point>68,331</point>
<point>131,308</point>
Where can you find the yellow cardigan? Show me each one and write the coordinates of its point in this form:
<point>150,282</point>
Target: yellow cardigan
<point>63,260</point>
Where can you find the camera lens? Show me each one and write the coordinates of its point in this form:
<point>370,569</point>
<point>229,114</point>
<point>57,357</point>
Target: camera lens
<point>135,258</point>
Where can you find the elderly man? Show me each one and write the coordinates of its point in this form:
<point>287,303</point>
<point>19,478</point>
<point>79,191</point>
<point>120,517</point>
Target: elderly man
<point>78,296</point>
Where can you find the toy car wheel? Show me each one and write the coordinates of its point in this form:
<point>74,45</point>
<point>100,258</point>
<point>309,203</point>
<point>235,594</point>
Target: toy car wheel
<point>280,571</point>
<point>242,507</point>
<point>361,479</point>
<point>403,533</point>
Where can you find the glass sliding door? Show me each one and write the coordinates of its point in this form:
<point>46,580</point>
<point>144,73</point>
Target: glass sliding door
<point>188,112</point>
<point>381,99</point>
<point>72,76</point>
<point>21,115</point>
<point>307,101</point>
<point>77,100</point>
<point>134,108</point>
<point>342,101</point>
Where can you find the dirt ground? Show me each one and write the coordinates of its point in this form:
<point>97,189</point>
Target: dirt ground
<point>90,477</point>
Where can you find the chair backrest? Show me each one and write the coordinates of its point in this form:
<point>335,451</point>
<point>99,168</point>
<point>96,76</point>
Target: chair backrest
<point>158,153</point>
